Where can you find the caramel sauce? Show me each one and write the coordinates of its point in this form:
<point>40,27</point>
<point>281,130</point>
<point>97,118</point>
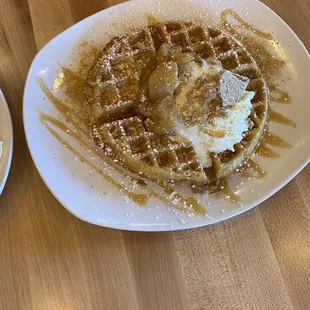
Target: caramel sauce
<point>265,151</point>
<point>140,199</point>
<point>247,174</point>
<point>56,102</point>
<point>275,140</point>
<point>225,23</point>
<point>283,97</point>
<point>281,119</point>
<point>70,114</point>
<point>151,20</point>
<point>214,133</point>
<point>253,166</point>
<point>188,201</point>
<point>258,43</point>
<point>46,120</point>
<point>221,188</point>
<point>192,201</point>
<point>227,194</point>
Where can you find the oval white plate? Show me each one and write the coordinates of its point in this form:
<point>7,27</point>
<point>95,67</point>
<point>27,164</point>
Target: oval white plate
<point>87,195</point>
<point>6,135</point>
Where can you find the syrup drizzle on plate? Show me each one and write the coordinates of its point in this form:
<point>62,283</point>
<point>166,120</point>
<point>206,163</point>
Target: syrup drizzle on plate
<point>241,23</point>
<point>281,119</point>
<point>48,120</point>
<point>281,96</point>
<point>176,201</point>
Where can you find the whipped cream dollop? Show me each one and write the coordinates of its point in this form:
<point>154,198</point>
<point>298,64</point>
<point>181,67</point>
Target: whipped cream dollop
<point>220,133</point>
<point>196,101</point>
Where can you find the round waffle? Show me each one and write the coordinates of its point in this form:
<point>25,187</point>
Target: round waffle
<point>113,87</point>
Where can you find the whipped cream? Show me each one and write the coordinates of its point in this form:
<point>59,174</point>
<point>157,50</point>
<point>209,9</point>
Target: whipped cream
<point>221,133</point>
<point>200,103</point>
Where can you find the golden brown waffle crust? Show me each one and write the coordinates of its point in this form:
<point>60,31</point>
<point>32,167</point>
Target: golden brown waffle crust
<point>116,124</point>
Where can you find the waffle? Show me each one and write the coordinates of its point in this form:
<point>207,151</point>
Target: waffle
<point>111,94</point>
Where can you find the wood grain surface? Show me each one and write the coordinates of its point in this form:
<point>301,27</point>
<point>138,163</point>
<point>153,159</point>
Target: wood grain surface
<point>51,260</point>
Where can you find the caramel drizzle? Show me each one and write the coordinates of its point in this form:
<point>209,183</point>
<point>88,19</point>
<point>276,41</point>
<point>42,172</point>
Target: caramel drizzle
<point>139,199</point>
<point>56,102</point>
<point>191,201</point>
<point>151,20</point>
<point>275,140</point>
<point>62,108</point>
<point>46,119</point>
<point>265,151</point>
<point>281,119</point>
<point>227,194</point>
<point>250,166</point>
<point>283,97</point>
<point>243,24</point>
<point>253,166</point>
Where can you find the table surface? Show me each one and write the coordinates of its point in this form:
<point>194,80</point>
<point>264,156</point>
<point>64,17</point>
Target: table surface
<point>51,260</point>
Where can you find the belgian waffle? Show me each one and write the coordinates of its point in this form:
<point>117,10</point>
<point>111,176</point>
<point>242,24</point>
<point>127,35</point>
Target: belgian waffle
<point>111,95</point>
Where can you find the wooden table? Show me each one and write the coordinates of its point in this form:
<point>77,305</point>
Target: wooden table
<point>51,260</point>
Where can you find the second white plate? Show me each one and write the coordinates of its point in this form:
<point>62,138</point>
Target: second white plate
<point>6,135</point>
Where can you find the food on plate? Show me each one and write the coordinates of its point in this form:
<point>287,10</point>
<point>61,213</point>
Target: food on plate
<point>177,101</point>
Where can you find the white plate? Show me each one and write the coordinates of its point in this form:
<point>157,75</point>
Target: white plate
<point>6,135</point>
<point>87,195</point>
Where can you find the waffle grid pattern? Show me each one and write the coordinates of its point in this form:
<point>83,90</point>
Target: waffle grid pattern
<point>152,149</point>
<point>113,84</point>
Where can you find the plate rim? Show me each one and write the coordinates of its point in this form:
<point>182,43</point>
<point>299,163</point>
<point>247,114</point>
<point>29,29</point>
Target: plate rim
<point>11,138</point>
<point>127,227</point>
